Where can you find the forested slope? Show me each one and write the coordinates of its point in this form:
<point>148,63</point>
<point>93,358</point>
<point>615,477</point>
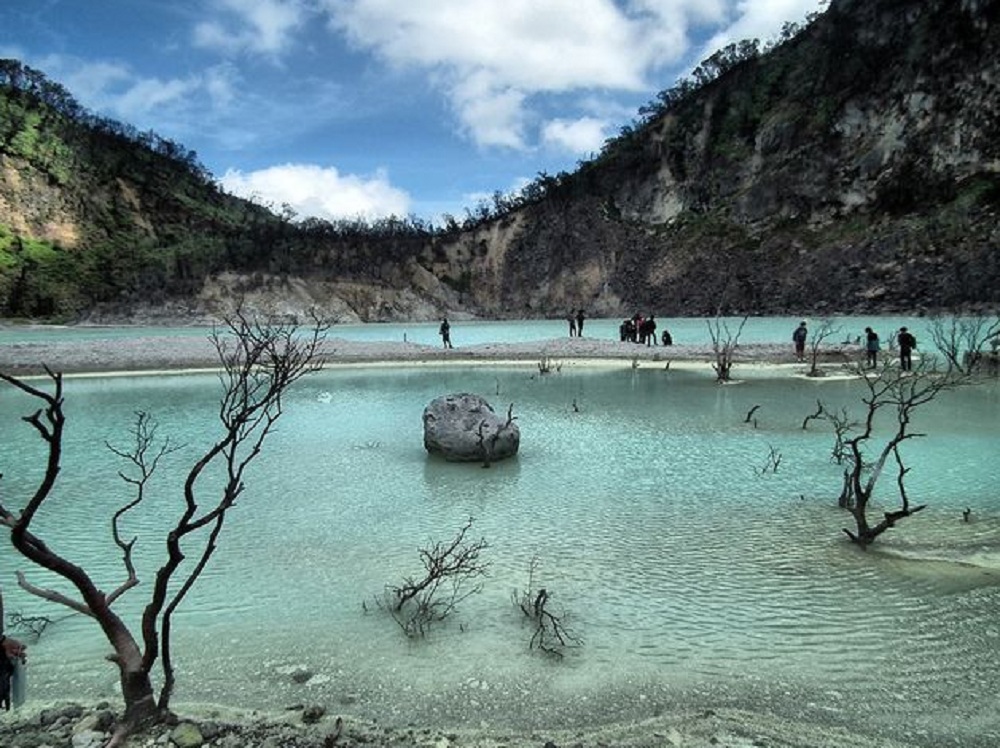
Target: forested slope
<point>852,167</point>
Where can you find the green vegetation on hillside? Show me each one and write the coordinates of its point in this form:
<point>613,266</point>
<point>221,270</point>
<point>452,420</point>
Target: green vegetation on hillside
<point>849,164</point>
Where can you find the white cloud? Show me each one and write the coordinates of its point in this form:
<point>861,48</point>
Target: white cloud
<point>151,94</point>
<point>496,59</point>
<point>492,56</point>
<point>221,84</point>
<point>314,191</point>
<point>115,89</point>
<point>761,19</point>
<point>537,46</point>
<point>89,82</point>
<point>260,26</point>
<point>494,115</point>
<point>585,135</point>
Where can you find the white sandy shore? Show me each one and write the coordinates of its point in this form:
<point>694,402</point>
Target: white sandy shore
<point>159,354</point>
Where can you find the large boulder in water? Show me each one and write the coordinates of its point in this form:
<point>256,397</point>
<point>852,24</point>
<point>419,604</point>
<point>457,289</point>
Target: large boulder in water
<point>464,428</point>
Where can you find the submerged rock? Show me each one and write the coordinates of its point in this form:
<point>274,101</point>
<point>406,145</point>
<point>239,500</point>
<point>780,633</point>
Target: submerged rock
<point>464,428</point>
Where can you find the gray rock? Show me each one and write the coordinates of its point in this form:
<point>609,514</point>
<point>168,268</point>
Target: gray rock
<point>88,739</point>
<point>187,735</point>
<point>312,714</point>
<point>463,428</point>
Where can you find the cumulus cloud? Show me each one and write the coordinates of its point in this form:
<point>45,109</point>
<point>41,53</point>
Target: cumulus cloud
<point>260,26</point>
<point>152,94</point>
<point>492,56</point>
<point>314,191</point>
<point>493,114</point>
<point>116,89</point>
<point>584,135</point>
<point>495,58</point>
<point>755,19</point>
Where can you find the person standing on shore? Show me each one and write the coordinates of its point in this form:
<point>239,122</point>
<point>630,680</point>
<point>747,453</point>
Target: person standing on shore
<point>445,332</point>
<point>650,333</point>
<point>13,654</point>
<point>871,347</point>
<point>572,324</point>
<point>579,323</point>
<point>906,345</point>
<point>799,338</point>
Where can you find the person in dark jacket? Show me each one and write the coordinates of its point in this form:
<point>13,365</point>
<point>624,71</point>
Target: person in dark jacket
<point>799,338</point>
<point>871,347</point>
<point>445,332</point>
<point>906,345</point>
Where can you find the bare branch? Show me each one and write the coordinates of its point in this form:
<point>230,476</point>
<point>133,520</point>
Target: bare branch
<point>962,341</point>
<point>820,413</point>
<point>260,360</point>
<point>52,595</point>
<point>144,457</point>
<point>550,635</point>
<point>826,330</point>
<point>265,358</point>
<point>772,463</point>
<point>417,604</point>
<point>902,392</point>
<point>725,341</point>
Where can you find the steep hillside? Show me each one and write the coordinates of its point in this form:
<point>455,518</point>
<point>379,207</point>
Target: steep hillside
<point>855,167</point>
<point>101,222</point>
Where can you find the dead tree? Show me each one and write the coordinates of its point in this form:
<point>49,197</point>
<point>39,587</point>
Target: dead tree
<point>452,573</point>
<point>488,442</point>
<point>550,634</point>
<point>725,341</point>
<point>546,366</point>
<point>259,361</point>
<point>842,425</point>
<point>826,330</point>
<point>771,464</point>
<point>963,341</point>
<point>820,413</point>
<point>900,393</point>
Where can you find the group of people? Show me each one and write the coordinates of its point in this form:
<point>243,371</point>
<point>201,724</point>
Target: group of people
<point>576,323</point>
<point>905,340</point>
<point>642,330</point>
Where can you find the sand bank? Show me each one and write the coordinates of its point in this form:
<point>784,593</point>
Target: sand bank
<point>187,353</point>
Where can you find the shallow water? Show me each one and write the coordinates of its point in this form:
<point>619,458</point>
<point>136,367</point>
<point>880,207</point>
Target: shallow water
<point>684,330</point>
<point>692,578</point>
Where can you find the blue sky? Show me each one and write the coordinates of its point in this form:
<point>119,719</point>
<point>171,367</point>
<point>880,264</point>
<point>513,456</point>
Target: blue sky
<point>346,108</point>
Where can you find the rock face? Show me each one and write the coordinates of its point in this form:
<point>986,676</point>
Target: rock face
<point>463,428</point>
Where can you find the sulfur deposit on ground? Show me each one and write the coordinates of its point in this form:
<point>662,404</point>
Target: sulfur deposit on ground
<point>154,354</point>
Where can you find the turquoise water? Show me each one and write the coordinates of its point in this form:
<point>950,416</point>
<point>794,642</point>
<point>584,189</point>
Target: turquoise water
<point>685,331</point>
<point>693,579</point>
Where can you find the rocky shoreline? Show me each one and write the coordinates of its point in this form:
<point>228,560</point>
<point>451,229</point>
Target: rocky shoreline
<point>75,726</point>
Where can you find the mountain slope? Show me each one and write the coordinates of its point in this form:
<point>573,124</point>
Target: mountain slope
<point>853,168</point>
